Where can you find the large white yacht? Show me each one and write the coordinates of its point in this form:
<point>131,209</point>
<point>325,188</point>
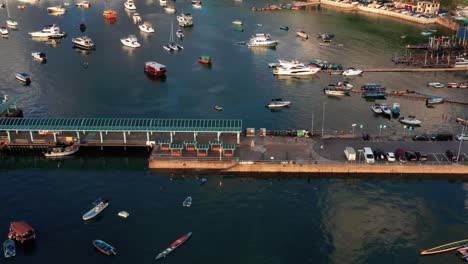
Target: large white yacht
<point>83,42</point>
<point>56,10</point>
<point>130,5</point>
<point>146,27</point>
<point>130,41</point>
<point>50,31</point>
<point>295,69</point>
<point>262,40</point>
<point>352,71</point>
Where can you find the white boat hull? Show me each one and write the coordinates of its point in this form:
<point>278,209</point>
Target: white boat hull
<point>272,43</point>
<point>94,212</point>
<point>61,154</point>
<point>146,29</point>
<point>336,93</point>
<point>130,44</point>
<point>11,23</point>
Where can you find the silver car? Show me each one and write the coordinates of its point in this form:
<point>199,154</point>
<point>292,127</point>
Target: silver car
<point>390,156</point>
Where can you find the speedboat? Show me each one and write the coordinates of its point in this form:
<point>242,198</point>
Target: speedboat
<point>104,248</point>
<point>179,33</point>
<point>396,109</point>
<point>174,245</point>
<point>61,151</point>
<point>3,31</point>
<point>130,41</point>
<point>170,9</point>
<point>185,20</point>
<point>436,84</point>
<point>83,42</point>
<point>146,27</point>
<point>9,248</point>
<point>237,22</point>
<point>219,109</point>
<point>385,109</point>
<point>123,214</point>
<point>136,18</point>
<point>278,103</point>
<point>83,4</point>
<point>262,40</point>
<point>163,2</point>
<point>410,120</point>
<point>302,34</point>
<point>293,70</point>
<point>24,77</point>
<point>50,31</point>
<point>99,205</point>
<point>187,202</point>
<point>351,72</point>
<point>376,108</point>
<point>56,10</point>
<point>39,56</point>
<point>130,5</point>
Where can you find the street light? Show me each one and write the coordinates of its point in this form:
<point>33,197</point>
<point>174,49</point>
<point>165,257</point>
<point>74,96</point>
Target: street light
<point>460,145</point>
<point>380,129</point>
<point>353,125</point>
<point>404,130</point>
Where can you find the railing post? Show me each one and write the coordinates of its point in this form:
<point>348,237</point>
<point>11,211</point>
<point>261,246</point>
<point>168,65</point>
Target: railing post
<point>238,138</point>
<point>147,136</point>
<point>219,134</point>
<point>100,134</point>
<point>78,135</point>
<point>30,133</point>
<point>125,138</point>
<point>171,135</point>
<point>9,138</point>
<point>55,137</point>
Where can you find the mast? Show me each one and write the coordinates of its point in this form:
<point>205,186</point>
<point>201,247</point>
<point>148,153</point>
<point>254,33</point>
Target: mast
<point>7,9</point>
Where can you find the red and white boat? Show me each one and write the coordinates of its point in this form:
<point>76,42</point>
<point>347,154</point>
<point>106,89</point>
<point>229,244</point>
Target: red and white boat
<point>155,69</point>
<point>174,245</point>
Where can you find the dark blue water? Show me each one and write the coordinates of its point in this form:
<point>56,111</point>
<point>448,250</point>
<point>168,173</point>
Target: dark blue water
<point>246,220</point>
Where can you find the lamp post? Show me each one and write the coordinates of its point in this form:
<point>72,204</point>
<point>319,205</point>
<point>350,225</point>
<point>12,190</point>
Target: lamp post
<point>404,130</point>
<point>380,129</point>
<point>353,125</point>
<point>460,145</point>
<point>323,117</point>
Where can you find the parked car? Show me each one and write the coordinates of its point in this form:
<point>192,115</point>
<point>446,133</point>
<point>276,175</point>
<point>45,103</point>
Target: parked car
<point>450,156</point>
<point>411,156</point>
<point>400,155</point>
<point>379,154</point>
<point>390,156</point>
<point>421,138</point>
<point>421,156</point>
<point>462,137</point>
<point>444,136</point>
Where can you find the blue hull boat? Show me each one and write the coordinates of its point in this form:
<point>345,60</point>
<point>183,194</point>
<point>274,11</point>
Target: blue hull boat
<point>9,249</point>
<point>203,180</point>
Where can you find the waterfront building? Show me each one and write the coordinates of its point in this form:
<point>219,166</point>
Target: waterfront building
<point>427,7</point>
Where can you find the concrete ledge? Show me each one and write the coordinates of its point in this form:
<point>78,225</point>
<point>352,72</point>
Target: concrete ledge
<point>234,167</point>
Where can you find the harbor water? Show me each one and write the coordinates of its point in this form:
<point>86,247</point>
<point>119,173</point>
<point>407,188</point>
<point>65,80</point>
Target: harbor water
<point>233,219</point>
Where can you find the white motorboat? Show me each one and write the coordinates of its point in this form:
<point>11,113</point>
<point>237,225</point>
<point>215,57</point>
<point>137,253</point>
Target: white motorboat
<point>3,31</point>
<point>187,202</point>
<point>61,151</point>
<point>180,33</point>
<point>302,34</point>
<point>352,71</point>
<point>170,9</point>
<point>99,205</point>
<point>56,10</point>
<point>336,91</point>
<point>83,42</point>
<point>197,5</point>
<point>39,56</point>
<point>10,22</point>
<point>24,77</point>
<point>237,22</point>
<point>136,18</point>
<point>436,84</point>
<point>410,120</point>
<point>385,109</point>
<point>146,27</point>
<point>123,214</point>
<point>163,2</point>
<point>83,4</point>
<point>262,40</point>
<point>50,31</point>
<point>130,5</point>
<point>377,109</point>
<point>278,103</point>
<point>185,20</point>
<point>294,70</point>
<point>130,41</point>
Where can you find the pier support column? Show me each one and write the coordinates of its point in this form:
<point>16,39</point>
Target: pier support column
<point>125,138</point>
<point>147,136</point>
<point>171,136</point>
<point>100,134</point>
<point>219,134</point>
<point>8,135</point>
<point>55,137</point>
<point>78,135</point>
<point>30,133</point>
<point>238,138</point>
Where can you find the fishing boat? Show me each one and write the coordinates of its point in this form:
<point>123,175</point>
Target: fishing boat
<point>284,27</point>
<point>155,69</point>
<point>179,33</point>
<point>434,100</point>
<point>217,108</point>
<point>410,120</point>
<point>396,109</point>
<point>99,205</point>
<point>24,77</point>
<point>21,232</point>
<point>352,72</point>
<point>203,180</point>
<point>187,202</point>
<point>104,248</point>
<point>39,56</point>
<point>204,59</point>
<point>56,10</point>
<point>10,21</point>
<point>262,40</point>
<point>83,42</point>
<point>123,214</point>
<point>146,27</point>
<point>130,5</point>
<point>174,245</point>
<point>277,103</point>
<point>302,34</point>
<point>171,46</point>
<point>61,151</point>
<point>9,248</point>
<point>3,31</point>
<point>136,18</point>
<point>376,109</point>
<point>445,248</point>
<point>237,22</point>
<point>385,109</point>
<point>83,4</point>
<point>130,41</point>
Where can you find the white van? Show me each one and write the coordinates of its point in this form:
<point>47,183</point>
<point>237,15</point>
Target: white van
<point>369,155</point>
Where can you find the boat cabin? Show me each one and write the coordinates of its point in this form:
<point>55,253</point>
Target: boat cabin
<point>155,69</point>
<point>21,232</point>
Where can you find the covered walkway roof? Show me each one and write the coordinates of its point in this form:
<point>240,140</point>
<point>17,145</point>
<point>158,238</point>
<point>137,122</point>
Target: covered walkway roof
<point>121,124</point>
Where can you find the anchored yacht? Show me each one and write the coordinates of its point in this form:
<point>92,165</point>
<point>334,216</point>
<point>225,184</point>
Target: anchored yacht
<point>262,40</point>
<point>83,42</point>
<point>130,41</point>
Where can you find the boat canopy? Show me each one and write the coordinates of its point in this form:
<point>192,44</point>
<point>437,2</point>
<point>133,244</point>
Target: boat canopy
<point>205,57</point>
<point>155,65</point>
